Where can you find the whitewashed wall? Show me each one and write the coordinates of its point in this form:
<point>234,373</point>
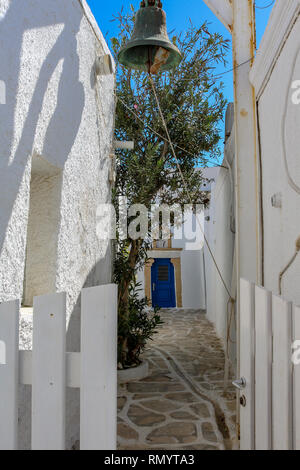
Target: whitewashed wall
<point>276,67</point>
<point>57,117</point>
<point>192,277</point>
<point>192,260</point>
<point>190,240</point>
<point>219,230</point>
<point>193,280</point>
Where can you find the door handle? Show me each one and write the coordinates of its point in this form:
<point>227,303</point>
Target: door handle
<point>240,384</point>
<point>153,286</point>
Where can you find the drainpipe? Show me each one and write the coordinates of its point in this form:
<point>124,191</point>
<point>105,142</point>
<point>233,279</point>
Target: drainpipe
<point>246,145</point>
<point>248,233</point>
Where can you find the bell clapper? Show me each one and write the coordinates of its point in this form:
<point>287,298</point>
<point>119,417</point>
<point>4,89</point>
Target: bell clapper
<point>160,59</point>
<point>149,59</point>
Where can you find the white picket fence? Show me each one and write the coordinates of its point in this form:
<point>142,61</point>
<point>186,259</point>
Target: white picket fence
<point>50,369</point>
<point>270,419</point>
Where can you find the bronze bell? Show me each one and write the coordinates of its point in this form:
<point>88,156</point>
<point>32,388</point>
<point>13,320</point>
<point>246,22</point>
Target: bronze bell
<point>150,48</point>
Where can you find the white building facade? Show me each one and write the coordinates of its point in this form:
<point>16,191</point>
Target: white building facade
<point>275,76</point>
<point>175,273</point>
<point>56,138</point>
<point>220,230</point>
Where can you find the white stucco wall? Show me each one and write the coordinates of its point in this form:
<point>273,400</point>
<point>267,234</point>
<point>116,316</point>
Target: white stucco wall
<point>193,280</point>
<point>42,229</point>
<point>189,238</point>
<point>219,230</point>
<point>192,276</point>
<point>56,110</point>
<point>276,67</point>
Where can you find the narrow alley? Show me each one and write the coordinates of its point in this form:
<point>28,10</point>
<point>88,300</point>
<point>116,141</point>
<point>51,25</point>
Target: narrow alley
<point>181,404</point>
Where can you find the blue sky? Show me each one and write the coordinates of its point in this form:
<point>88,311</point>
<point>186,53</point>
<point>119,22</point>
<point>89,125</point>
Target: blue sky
<point>178,14</point>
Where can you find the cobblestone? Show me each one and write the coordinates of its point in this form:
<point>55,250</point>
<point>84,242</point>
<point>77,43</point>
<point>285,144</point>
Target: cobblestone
<point>181,405</point>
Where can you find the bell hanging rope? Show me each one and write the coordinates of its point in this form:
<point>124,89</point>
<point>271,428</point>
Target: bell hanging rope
<point>150,48</point>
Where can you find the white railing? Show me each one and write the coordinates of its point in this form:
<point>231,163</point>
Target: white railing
<point>50,370</point>
<point>270,401</point>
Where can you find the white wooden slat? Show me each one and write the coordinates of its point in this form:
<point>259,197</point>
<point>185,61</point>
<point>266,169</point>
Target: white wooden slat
<point>282,417</point>
<point>25,367</point>
<point>263,369</point>
<point>9,374</point>
<point>49,372</point>
<point>247,413</point>
<point>296,387</point>
<point>73,368</point>
<point>98,395</point>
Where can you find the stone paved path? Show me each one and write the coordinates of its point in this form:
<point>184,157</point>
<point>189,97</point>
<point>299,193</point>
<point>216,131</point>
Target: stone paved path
<point>182,404</point>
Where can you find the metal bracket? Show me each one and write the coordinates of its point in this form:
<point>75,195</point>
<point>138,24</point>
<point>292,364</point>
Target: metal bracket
<point>104,65</point>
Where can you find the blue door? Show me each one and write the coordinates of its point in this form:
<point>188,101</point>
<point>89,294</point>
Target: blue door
<point>163,284</point>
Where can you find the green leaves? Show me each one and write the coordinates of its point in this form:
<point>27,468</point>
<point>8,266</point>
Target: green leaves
<point>136,329</point>
<point>193,104</point>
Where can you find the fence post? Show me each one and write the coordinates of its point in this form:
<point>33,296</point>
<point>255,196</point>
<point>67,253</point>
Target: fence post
<point>49,372</point>
<point>98,394</point>
<point>263,369</point>
<point>296,389</point>
<point>247,363</point>
<point>282,398</point>
<point>9,374</point>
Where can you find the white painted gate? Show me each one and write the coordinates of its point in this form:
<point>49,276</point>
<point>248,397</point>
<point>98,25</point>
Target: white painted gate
<point>50,369</point>
<point>270,399</point>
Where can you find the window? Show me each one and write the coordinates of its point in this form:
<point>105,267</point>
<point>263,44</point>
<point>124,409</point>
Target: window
<point>163,273</point>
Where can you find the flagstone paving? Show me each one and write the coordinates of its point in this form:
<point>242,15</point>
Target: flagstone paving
<point>182,404</point>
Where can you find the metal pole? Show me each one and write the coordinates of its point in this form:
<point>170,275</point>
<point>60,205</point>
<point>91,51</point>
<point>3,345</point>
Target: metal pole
<point>246,148</point>
<point>238,16</point>
<point>247,188</point>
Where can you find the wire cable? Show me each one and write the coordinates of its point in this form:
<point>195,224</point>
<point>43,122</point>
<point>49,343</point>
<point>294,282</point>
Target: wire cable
<point>266,6</point>
<point>186,189</point>
<point>164,138</point>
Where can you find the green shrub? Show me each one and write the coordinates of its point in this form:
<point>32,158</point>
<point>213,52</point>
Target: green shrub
<point>135,329</point>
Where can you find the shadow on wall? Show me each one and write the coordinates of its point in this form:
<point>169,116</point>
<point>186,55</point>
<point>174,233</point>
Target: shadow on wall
<point>65,120</point>
<point>19,125</point>
<point>19,119</point>
<point>100,274</point>
<point>97,276</point>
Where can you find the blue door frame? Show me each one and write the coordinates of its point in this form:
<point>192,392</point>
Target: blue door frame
<point>163,284</point>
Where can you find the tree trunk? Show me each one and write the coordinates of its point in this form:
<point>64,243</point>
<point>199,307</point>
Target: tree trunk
<point>123,295</point>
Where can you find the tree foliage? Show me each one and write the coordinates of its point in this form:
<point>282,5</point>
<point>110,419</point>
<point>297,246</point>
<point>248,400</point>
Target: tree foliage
<point>193,105</point>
